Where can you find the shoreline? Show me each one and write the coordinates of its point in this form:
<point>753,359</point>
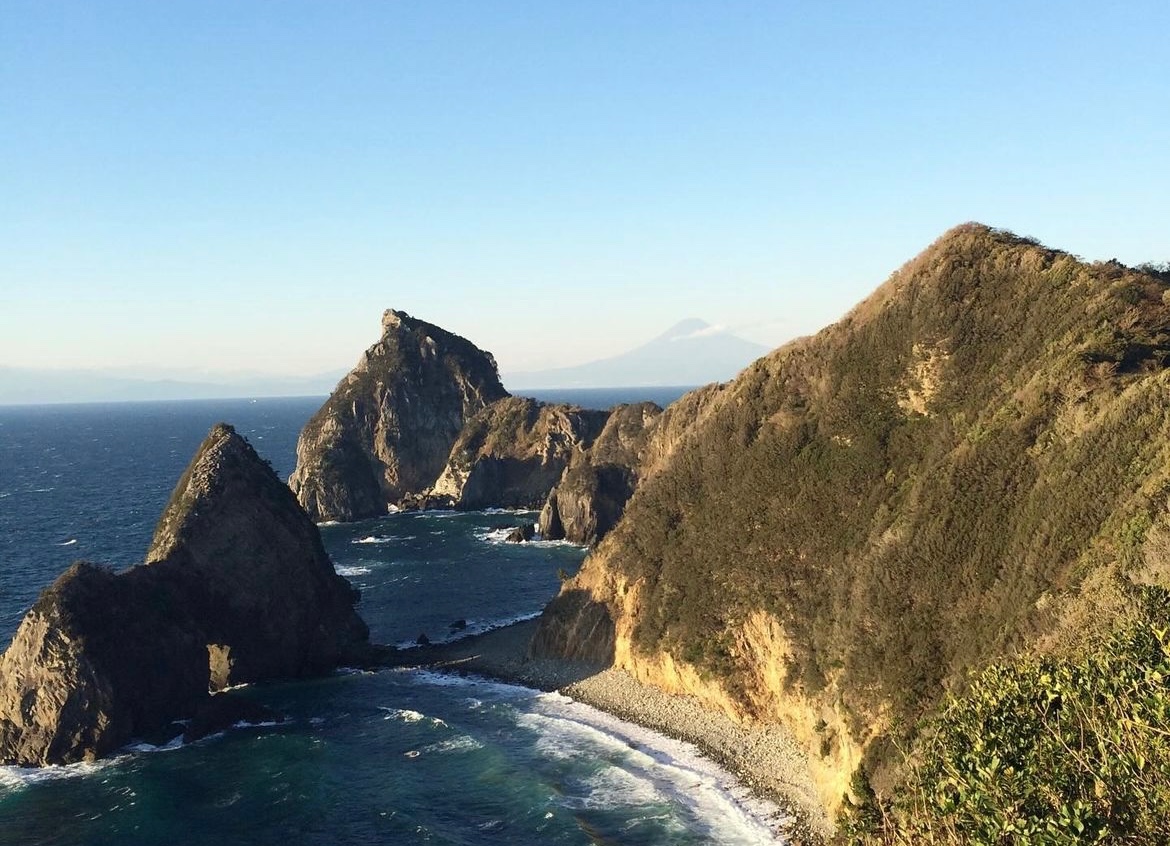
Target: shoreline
<point>763,759</point>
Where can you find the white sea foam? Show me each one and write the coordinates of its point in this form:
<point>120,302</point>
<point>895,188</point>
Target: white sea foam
<point>633,765</point>
<point>474,627</point>
<point>244,724</point>
<point>494,536</point>
<point>380,539</point>
<point>15,778</point>
<point>174,743</point>
<point>404,714</point>
<point>69,542</point>
<point>329,523</point>
<point>660,767</point>
<point>481,685</point>
<point>351,571</point>
<point>508,511</point>
<point>541,543</point>
<point>462,743</point>
<point>500,536</point>
<point>408,716</point>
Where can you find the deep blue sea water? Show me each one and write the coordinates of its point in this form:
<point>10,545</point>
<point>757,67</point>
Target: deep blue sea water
<point>394,757</point>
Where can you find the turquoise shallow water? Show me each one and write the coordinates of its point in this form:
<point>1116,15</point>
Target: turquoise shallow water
<point>395,757</point>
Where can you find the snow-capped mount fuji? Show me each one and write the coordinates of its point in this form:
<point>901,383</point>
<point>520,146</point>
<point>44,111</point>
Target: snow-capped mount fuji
<point>692,352</point>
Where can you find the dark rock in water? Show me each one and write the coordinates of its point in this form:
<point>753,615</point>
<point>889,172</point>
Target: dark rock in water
<point>521,534</point>
<point>458,625</point>
<point>422,639</point>
<point>387,429</point>
<point>237,588</point>
<point>223,711</point>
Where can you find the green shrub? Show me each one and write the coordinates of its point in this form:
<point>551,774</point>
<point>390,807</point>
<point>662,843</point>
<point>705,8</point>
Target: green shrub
<point>1045,752</point>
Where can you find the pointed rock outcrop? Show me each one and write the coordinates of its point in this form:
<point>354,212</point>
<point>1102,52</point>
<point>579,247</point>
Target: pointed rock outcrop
<point>388,428</point>
<point>237,588</point>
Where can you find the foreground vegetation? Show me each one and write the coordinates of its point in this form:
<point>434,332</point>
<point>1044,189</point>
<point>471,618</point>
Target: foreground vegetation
<point>1044,752</point>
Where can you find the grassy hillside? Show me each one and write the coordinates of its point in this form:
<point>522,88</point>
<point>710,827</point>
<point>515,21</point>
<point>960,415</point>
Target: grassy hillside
<point>973,463</point>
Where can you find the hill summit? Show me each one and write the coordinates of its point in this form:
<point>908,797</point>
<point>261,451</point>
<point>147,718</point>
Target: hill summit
<point>973,464</point>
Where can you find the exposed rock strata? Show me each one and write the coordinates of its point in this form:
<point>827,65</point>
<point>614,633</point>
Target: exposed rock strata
<point>512,453</point>
<point>973,462</point>
<point>590,498</point>
<point>237,588</point>
<point>387,430</point>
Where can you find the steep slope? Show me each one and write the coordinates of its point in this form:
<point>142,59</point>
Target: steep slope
<point>237,589</point>
<point>388,427</point>
<point>969,464</point>
<point>691,352</point>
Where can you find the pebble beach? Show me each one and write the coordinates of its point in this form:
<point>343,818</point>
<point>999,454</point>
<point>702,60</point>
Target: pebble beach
<point>762,757</point>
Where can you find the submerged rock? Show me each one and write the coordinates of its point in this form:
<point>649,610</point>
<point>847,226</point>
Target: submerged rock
<point>237,588</point>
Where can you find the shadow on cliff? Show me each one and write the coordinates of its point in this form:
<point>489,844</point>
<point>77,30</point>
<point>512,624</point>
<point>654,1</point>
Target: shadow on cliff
<point>572,640</point>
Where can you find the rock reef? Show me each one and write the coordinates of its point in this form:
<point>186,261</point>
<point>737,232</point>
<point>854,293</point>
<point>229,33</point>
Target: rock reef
<point>236,588</point>
<point>592,493</point>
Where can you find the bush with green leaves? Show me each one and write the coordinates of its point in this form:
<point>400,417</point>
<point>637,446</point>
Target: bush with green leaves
<point>1046,752</point>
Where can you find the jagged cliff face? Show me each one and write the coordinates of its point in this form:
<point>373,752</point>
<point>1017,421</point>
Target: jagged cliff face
<point>975,461</point>
<point>388,428</point>
<point>590,497</point>
<point>237,589</point>
<point>512,453</point>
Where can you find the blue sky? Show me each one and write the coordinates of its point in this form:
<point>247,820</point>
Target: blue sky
<point>247,185</point>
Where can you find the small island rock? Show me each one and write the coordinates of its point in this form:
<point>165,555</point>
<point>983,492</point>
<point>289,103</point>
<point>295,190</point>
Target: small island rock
<point>237,588</point>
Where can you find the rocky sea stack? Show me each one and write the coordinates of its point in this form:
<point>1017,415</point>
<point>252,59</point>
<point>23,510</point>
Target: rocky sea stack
<point>237,588</point>
<point>423,422</point>
<point>388,427</point>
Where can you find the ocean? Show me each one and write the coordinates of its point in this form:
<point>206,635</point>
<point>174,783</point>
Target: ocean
<point>392,757</point>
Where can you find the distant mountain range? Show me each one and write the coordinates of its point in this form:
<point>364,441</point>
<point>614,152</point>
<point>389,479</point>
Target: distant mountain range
<point>692,352</point>
<point>26,386</point>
